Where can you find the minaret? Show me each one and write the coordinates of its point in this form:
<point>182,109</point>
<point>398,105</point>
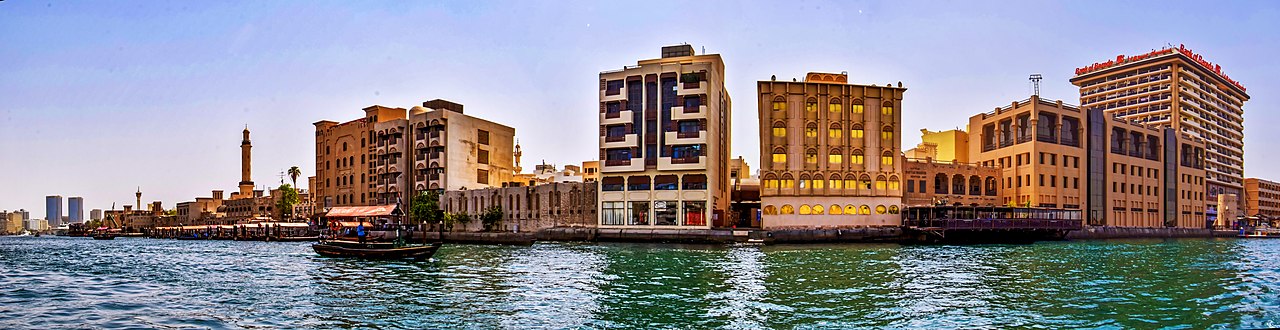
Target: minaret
<point>517,154</point>
<point>139,195</point>
<point>246,184</point>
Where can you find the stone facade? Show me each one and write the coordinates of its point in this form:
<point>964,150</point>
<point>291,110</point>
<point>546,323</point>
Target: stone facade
<point>527,209</point>
<point>931,182</point>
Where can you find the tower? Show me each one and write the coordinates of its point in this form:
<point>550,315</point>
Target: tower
<point>139,196</point>
<point>517,156</point>
<point>246,184</point>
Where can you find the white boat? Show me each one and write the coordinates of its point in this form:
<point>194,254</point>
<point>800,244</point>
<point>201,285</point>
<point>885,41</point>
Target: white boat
<point>1260,231</point>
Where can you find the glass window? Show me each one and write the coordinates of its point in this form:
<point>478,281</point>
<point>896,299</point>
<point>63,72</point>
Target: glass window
<point>613,87</point>
<point>686,151</point>
<point>692,127</point>
<point>835,106</point>
<point>694,182</point>
<point>691,103</point>
<point>835,158</point>
<point>616,131</point>
<point>811,157</point>
<point>811,106</point>
<point>886,160</point>
<point>835,184</point>
<point>779,157</point>
<point>855,133</point>
<point>834,133</point>
<point>787,209</point>
<point>779,106</point>
<point>613,213</point>
<point>695,213</point>
<point>818,209</point>
<point>811,132</point>
<point>857,108</point>
<point>640,213</point>
<point>805,209</point>
<point>856,158</point>
<point>638,183</point>
<point>665,213</point>
<point>886,134</point>
<point>834,210</point>
<point>887,109</point>
<point>865,210</point>
<point>880,209</point>
<point>665,182</point>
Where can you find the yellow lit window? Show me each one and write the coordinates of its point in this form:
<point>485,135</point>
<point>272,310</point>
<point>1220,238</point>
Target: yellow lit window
<point>779,158</point>
<point>886,160</point>
<point>779,106</point>
<point>786,209</point>
<point>893,185</point>
<point>849,209</point>
<point>855,133</point>
<point>856,159</point>
<point>780,131</point>
<point>880,209</point>
<point>835,210</point>
<point>811,132</point>
<point>835,184</point>
<point>788,184</point>
<point>817,184</point>
<point>886,135</point>
<point>862,209</point>
<point>770,210</point>
<point>811,158</point>
<point>834,107</point>
<point>887,111</point>
<point>811,106</point>
<point>835,159</point>
<point>851,184</point>
<point>880,185</point>
<point>833,133</point>
<point>817,209</point>
<point>804,209</point>
<point>857,109</point>
<point>771,184</point>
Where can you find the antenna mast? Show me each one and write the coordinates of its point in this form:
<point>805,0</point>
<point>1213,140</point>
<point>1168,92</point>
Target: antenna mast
<point>1035,81</point>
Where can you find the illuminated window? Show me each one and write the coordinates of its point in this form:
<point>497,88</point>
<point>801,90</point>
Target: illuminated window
<point>779,157</point>
<point>850,209</point>
<point>835,184</point>
<point>880,209</point>
<point>816,183</point>
<point>811,157</point>
<point>771,184</point>
<point>893,184</point>
<point>805,210</point>
<point>811,106</point>
<point>886,159</point>
<point>770,210</point>
<point>887,109</point>
<point>788,183</point>
<point>817,209</point>
<point>835,210</point>
<point>881,184</point>
<point>811,130</point>
<point>856,158</point>
<point>886,134</point>
<point>779,105</point>
<point>786,209</point>
<point>855,133</point>
<point>864,210</point>
<point>835,106</point>
<point>850,183</point>
<point>833,133</point>
<point>857,107</point>
<point>835,158</point>
<point>780,132</point>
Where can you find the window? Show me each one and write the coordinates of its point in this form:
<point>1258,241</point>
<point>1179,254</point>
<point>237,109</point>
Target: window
<point>805,209</point>
<point>779,131</point>
<point>613,213</point>
<point>618,154</point>
<point>482,176</point>
<point>613,87</point>
<point>835,183</point>
<point>834,132</point>
<point>864,210</point>
<point>692,151</point>
<point>787,209</point>
<point>779,157</point>
<point>616,131</point>
<point>665,182</point>
<point>835,210</point>
<point>695,213</point>
<point>692,103</point>
<point>690,129</point>
<point>857,108</point>
<point>880,209</point>
<point>835,157</point>
<point>834,106</point>
<point>855,132</point>
<point>638,183</point>
<point>482,157</point>
<point>779,105</point>
<point>640,213</point>
<point>887,109</point>
<point>482,137</point>
<point>856,157</point>
<point>811,157</point>
<point>694,182</point>
<point>811,106</point>
<point>886,134</point>
<point>886,159</point>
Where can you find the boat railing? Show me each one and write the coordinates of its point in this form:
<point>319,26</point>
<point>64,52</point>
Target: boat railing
<point>971,224</point>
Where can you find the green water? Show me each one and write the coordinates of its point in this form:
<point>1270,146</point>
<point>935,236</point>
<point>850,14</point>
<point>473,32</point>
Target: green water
<point>146,283</point>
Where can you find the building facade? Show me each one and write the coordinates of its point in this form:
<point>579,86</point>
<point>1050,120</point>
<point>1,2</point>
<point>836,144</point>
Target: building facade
<point>1262,197</point>
<point>75,209</point>
<point>453,151</point>
<point>53,210</point>
<point>664,142</point>
<point>95,214</point>
<point>830,152</point>
<point>1175,87</point>
<point>527,208</point>
<point>1039,146</point>
<point>1134,171</point>
<point>932,182</point>
<point>945,146</point>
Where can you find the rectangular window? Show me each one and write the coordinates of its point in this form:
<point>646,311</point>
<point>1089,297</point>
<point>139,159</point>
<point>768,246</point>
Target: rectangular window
<point>695,213</point>
<point>911,186</point>
<point>639,214</point>
<point>835,184</point>
<point>1053,181</point>
<point>833,133</point>
<point>834,107</point>
<point>692,103</point>
<point>780,158</point>
<point>689,129</point>
<point>1053,160</point>
<point>780,132</point>
<point>613,213</point>
<point>687,152</point>
<point>482,157</point>
<point>482,137</point>
<point>855,133</point>
<point>615,132</point>
<point>482,176</point>
<point>835,159</point>
<point>665,213</point>
<point>1042,180</point>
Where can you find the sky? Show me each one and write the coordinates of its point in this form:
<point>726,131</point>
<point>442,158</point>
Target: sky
<point>101,98</point>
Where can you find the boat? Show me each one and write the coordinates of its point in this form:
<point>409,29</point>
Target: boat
<point>407,252</point>
<point>293,238</point>
<point>1261,231</point>
<point>104,236</point>
<point>37,234</point>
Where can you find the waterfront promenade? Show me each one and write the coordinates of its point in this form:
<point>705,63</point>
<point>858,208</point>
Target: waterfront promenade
<point>134,282</point>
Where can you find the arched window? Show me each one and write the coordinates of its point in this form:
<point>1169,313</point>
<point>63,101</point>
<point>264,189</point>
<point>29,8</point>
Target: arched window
<point>816,182</point>
<point>887,108</point>
<point>811,130</point>
<point>804,183</point>
<point>835,157</point>
<point>770,181</point>
<point>834,105</point>
<point>850,182</point>
<point>818,209</point>
<point>893,209</point>
<point>941,183</point>
<point>770,210</point>
<point>857,107</point>
<point>855,132</point>
<point>881,184</point>
<point>975,186</point>
<point>779,129</point>
<point>886,134</point>
<point>886,159</point>
<point>788,181</point>
<point>893,183</point>
<point>864,210</point>
<point>787,209</point>
<point>779,156</point>
<point>811,105</point>
<point>805,210</point>
<point>991,186</point>
<point>864,182</point>
<point>850,209</point>
<point>880,209</point>
<point>779,104</point>
<point>856,158</point>
<point>834,182</point>
<point>811,156</point>
<point>957,184</point>
<point>834,132</point>
<point>834,210</point>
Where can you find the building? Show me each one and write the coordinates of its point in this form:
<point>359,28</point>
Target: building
<point>75,209</point>
<point>95,214</point>
<point>1134,170</point>
<point>203,210</point>
<point>1262,197</point>
<point>1039,146</point>
<point>946,146</point>
<point>526,208</point>
<point>664,142</point>
<point>829,152</point>
<point>53,210</point>
<point>591,171</point>
<point>1175,87</point>
<point>933,182</point>
<point>37,225</point>
<point>744,194</point>
<point>392,153</point>
<point>11,222</point>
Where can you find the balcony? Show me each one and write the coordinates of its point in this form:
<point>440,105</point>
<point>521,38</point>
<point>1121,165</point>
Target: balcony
<point>684,88</point>
<point>620,96</point>
<point>394,168</point>
<point>628,140</point>
<point>620,117</point>
<point>689,163</point>
<point>686,137</point>
<point>679,113</point>
<point>380,149</point>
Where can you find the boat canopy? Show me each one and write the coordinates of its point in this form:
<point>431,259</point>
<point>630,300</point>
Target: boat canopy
<point>362,211</point>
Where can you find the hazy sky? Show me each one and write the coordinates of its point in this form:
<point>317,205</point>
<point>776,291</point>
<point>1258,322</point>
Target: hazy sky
<point>98,98</point>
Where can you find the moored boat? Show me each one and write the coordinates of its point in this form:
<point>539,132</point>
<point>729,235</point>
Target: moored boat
<point>408,252</point>
<point>104,236</point>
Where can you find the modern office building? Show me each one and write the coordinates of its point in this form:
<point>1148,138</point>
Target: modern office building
<point>392,153</point>
<point>1177,88</point>
<point>664,142</point>
<point>830,152</point>
<point>1262,197</point>
<point>53,210</point>
<point>75,209</point>
<point>1039,146</point>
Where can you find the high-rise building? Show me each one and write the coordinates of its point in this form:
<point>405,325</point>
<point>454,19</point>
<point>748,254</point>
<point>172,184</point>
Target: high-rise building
<point>95,214</point>
<point>75,209</point>
<point>1177,88</point>
<point>664,142</point>
<point>1262,197</point>
<point>830,152</point>
<point>53,210</point>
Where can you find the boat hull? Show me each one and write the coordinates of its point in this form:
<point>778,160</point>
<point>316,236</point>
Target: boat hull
<point>415,252</point>
<point>104,237</point>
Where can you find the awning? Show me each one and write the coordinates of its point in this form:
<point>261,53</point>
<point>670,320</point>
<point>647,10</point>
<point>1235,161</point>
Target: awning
<point>362,211</point>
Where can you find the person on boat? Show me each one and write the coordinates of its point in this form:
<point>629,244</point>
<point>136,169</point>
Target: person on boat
<point>360,233</point>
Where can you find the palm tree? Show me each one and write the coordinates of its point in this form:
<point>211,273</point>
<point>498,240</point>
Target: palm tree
<point>294,172</point>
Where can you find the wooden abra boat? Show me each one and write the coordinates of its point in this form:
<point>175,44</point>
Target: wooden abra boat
<point>104,236</point>
<point>409,252</point>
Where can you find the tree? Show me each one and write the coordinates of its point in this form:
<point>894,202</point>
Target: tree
<point>284,205</point>
<point>294,172</point>
<point>491,217</point>
<point>425,208</point>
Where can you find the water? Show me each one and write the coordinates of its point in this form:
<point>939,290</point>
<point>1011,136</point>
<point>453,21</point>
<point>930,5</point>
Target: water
<point>58,282</point>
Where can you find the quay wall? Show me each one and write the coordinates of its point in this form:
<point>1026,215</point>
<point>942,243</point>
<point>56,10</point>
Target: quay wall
<point>1107,232</point>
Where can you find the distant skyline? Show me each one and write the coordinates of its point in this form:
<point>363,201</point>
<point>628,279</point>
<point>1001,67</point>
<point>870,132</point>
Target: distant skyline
<point>100,98</point>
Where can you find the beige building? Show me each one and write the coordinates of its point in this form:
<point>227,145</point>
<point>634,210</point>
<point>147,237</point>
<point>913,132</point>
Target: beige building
<point>1262,197</point>
<point>945,146</point>
<point>455,151</point>
<point>664,142</point>
<point>830,152</point>
<point>526,208</point>
<point>1039,146</point>
<point>1175,87</point>
<point>11,222</point>
<point>933,182</point>
<point>203,210</point>
<point>591,171</point>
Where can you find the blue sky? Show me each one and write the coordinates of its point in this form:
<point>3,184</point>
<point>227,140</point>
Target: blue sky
<point>98,98</point>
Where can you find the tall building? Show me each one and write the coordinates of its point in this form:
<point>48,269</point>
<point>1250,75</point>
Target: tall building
<point>829,152</point>
<point>664,142</point>
<point>1039,146</point>
<point>1175,87</point>
<point>53,210</point>
<point>95,214</point>
<point>75,209</point>
<point>1262,197</point>
<point>392,153</point>
<point>246,161</point>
